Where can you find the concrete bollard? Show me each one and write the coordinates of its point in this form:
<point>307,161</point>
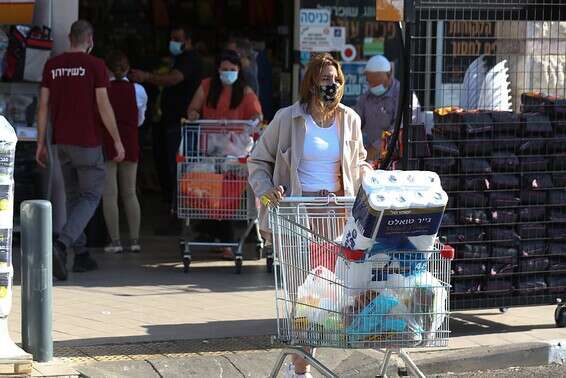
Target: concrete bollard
<point>37,279</point>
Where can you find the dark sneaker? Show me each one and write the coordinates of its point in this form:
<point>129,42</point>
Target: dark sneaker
<point>59,261</point>
<point>84,263</point>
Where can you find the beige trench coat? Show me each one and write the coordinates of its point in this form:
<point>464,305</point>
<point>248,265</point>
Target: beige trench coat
<point>275,158</point>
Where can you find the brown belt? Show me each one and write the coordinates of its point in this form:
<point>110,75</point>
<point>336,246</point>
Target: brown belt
<point>323,193</point>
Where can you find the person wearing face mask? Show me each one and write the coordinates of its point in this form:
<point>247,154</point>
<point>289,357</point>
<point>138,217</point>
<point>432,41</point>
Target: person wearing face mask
<point>378,106</point>
<point>225,95</point>
<point>312,148</point>
<point>179,86</point>
<point>74,93</point>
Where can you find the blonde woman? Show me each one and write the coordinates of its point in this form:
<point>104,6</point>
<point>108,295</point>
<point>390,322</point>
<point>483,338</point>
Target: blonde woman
<point>312,148</point>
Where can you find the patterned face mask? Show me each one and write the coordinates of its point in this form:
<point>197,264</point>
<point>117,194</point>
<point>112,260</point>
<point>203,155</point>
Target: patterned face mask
<point>328,92</point>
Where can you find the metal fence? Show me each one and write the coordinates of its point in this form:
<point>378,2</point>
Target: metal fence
<point>490,77</point>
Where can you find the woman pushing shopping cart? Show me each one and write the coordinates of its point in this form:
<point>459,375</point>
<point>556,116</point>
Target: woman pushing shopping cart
<point>307,167</point>
<point>212,176</point>
<point>213,186</point>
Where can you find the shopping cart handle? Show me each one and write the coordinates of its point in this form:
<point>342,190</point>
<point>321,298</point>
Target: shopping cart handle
<point>319,200</point>
<point>221,122</point>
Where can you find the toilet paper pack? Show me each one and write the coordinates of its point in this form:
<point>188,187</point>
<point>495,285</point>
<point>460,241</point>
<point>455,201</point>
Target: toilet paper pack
<point>395,205</point>
<point>353,237</point>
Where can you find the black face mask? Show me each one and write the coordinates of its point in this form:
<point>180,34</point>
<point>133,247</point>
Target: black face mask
<point>328,92</point>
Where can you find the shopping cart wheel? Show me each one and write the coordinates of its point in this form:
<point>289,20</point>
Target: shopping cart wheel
<point>402,371</point>
<point>186,264</point>
<point>238,263</point>
<point>269,264</point>
<point>560,315</point>
<point>258,251</point>
<point>503,310</point>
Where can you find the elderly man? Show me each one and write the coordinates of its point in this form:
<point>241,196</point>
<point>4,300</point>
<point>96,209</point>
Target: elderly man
<point>378,106</point>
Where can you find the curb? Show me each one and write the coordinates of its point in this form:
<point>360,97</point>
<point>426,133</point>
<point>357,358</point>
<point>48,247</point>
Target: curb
<point>346,363</point>
<point>488,358</point>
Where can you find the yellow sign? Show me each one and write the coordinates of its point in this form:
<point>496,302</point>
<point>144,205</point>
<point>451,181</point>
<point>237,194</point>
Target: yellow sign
<point>389,10</point>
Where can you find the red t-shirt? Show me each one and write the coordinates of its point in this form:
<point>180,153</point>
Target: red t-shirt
<point>72,79</point>
<point>248,108</point>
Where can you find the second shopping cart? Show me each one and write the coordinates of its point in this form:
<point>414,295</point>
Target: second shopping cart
<point>212,185</point>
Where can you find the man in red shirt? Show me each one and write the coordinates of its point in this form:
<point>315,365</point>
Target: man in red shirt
<point>74,91</point>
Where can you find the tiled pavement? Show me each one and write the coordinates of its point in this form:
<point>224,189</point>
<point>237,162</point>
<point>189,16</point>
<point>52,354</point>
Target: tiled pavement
<point>147,297</point>
<point>143,307</point>
<point>140,306</point>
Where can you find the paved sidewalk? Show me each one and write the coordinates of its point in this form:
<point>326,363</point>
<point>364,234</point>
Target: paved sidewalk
<point>147,297</point>
<point>140,308</point>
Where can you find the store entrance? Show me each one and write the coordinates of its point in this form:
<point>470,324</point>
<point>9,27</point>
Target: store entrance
<point>141,30</point>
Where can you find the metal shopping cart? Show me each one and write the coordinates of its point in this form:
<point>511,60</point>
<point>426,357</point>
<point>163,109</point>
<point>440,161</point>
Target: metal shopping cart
<point>212,182</point>
<point>329,296</point>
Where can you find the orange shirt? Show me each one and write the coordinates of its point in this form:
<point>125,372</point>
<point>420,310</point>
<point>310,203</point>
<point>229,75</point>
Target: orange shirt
<point>248,108</point>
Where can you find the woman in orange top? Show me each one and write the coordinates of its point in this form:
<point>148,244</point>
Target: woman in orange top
<point>225,96</point>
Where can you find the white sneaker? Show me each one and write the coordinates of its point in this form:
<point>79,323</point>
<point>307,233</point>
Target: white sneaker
<point>134,246</point>
<point>290,373</point>
<point>114,247</point>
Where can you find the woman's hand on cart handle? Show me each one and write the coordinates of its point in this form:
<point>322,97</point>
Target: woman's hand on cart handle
<point>193,115</point>
<point>273,196</point>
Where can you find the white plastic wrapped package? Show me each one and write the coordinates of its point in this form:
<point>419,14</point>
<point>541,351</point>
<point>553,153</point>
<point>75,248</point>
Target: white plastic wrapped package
<point>404,257</point>
<point>356,276</point>
<point>395,206</point>
<point>422,180</point>
<point>238,144</point>
<point>353,238</point>
<point>320,295</point>
<point>430,302</point>
<point>379,271</point>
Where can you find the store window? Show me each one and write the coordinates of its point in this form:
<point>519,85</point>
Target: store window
<point>364,37</point>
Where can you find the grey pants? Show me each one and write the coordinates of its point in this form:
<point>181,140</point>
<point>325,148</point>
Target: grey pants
<point>125,173</point>
<point>83,174</point>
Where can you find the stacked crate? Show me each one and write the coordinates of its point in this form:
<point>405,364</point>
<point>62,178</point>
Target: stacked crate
<point>505,174</point>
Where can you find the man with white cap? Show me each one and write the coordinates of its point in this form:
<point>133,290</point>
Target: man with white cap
<point>378,106</point>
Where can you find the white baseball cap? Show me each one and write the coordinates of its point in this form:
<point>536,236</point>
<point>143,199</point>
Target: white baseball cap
<point>378,63</point>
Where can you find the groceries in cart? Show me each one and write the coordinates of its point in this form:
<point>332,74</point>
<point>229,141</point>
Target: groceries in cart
<point>380,285</point>
<point>212,170</point>
<point>231,143</point>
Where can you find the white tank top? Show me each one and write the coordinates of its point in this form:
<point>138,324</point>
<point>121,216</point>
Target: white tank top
<point>319,168</point>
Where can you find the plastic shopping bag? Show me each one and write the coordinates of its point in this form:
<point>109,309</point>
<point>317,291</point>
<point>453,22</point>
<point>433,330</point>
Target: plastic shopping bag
<point>318,305</point>
<point>201,190</point>
<point>386,321</point>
